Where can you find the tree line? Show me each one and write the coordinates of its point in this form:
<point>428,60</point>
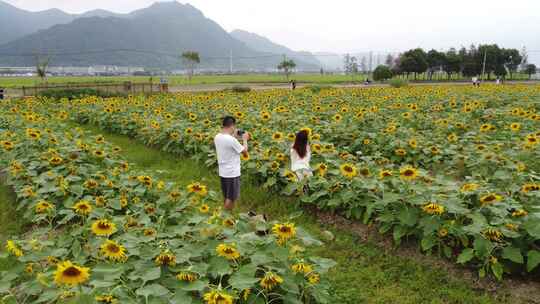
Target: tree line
<point>488,60</point>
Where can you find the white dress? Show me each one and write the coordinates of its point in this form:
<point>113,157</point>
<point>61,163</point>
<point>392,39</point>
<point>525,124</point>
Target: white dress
<point>300,166</point>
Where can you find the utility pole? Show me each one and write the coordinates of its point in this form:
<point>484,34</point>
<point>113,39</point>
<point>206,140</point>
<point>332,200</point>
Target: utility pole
<point>230,63</point>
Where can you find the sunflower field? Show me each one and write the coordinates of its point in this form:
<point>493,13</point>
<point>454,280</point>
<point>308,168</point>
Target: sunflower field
<point>453,168</point>
<point>102,232</point>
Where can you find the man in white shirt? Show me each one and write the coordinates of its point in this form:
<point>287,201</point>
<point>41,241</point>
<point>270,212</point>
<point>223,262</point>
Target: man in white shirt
<point>228,150</point>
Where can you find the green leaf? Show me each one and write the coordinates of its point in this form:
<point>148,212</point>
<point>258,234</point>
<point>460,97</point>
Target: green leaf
<point>533,260</point>
<point>482,247</point>
<point>219,266</point>
<point>181,298</point>
<point>465,256</point>
<point>245,278</point>
<point>513,254</point>
<point>497,270</point>
<point>152,290</point>
<point>408,216</point>
<point>533,227</point>
<point>151,274</point>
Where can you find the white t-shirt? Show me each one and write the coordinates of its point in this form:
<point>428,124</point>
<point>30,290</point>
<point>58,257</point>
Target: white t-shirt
<point>298,163</point>
<point>228,151</point>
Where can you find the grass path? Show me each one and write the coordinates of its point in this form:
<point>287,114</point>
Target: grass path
<point>365,272</point>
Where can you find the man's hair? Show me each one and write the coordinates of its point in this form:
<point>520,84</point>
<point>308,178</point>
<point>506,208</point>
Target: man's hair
<point>229,121</point>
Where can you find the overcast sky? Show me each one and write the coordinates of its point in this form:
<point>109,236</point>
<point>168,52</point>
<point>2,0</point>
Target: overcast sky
<point>354,26</point>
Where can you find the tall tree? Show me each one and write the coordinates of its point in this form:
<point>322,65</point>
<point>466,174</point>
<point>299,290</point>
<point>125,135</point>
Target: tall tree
<point>511,60</point>
<point>530,69</point>
<point>414,61</point>
<point>453,63</point>
<point>42,65</point>
<point>435,61</point>
<point>191,60</point>
<point>287,65</point>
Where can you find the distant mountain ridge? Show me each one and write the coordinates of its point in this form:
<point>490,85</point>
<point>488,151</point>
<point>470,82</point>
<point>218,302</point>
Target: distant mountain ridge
<point>167,27</point>
<point>263,44</point>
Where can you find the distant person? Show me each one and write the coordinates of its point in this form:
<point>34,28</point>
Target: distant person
<point>498,81</point>
<point>1,93</point>
<point>228,150</point>
<point>475,81</point>
<point>301,156</point>
<point>293,85</point>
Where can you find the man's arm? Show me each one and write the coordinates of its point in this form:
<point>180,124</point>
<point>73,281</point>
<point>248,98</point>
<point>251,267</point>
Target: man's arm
<point>241,148</point>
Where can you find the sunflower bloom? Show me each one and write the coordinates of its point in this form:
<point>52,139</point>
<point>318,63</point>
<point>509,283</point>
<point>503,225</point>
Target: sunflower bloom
<point>113,251</point>
<point>68,273</point>
<point>218,297</point>
<point>103,227</point>
<point>197,188</point>
<point>228,251</point>
<point>284,231</point>
<point>408,173</point>
<point>348,170</point>
<point>433,209</point>
<point>270,281</point>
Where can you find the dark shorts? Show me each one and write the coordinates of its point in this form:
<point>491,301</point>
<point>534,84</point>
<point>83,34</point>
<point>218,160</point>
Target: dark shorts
<point>230,187</point>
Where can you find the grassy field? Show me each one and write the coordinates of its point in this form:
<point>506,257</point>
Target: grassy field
<point>11,82</point>
<point>365,273</point>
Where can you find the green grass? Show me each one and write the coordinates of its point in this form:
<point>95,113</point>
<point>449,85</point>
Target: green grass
<point>365,273</point>
<point>10,223</point>
<point>10,82</point>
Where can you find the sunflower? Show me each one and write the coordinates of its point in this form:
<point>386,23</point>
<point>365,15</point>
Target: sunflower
<point>301,268</point>
<point>291,176</point>
<point>337,118</point>
<point>314,278</point>
<point>493,234</point>
<point>99,153</point>
<point>277,136</point>
<point>107,299</point>
<point>530,187</point>
<point>103,227</point>
<point>149,232</point>
<point>486,127</point>
<point>228,251</point>
<point>469,187</point>
<point>274,166</point>
<point>165,259</point>
<point>43,207</point>
<point>265,115</point>
<point>197,188</point>
<point>7,145</point>
<point>244,156</point>
<point>82,207</point>
<point>100,201</point>
<point>113,251</point>
<point>321,169</point>
<point>284,231</point>
<point>291,136</point>
<point>12,248</point>
<point>433,208</point>
<point>229,222</point>
<point>68,273</point>
<point>413,143</point>
<point>348,170</point>
<point>385,173</point>
<point>400,152</point>
<point>204,208</point>
<point>187,276</point>
<point>515,126</point>
<point>408,173</point>
<point>443,232</point>
<point>270,281</point>
<point>218,297</point>
<point>366,141</point>
<point>145,180</point>
<point>520,213</point>
<point>91,184</point>
<point>452,137</point>
<point>490,198</point>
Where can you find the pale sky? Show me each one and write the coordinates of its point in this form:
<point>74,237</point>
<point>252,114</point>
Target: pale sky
<point>355,26</point>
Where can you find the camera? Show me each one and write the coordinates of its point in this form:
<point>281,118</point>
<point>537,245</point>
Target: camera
<point>240,132</point>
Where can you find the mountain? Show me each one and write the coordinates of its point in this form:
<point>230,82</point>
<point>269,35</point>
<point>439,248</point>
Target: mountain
<point>132,39</point>
<point>16,23</point>
<point>330,61</point>
<point>259,43</point>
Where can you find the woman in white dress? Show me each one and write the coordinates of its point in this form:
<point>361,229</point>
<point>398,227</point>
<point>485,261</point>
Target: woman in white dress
<point>301,156</point>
